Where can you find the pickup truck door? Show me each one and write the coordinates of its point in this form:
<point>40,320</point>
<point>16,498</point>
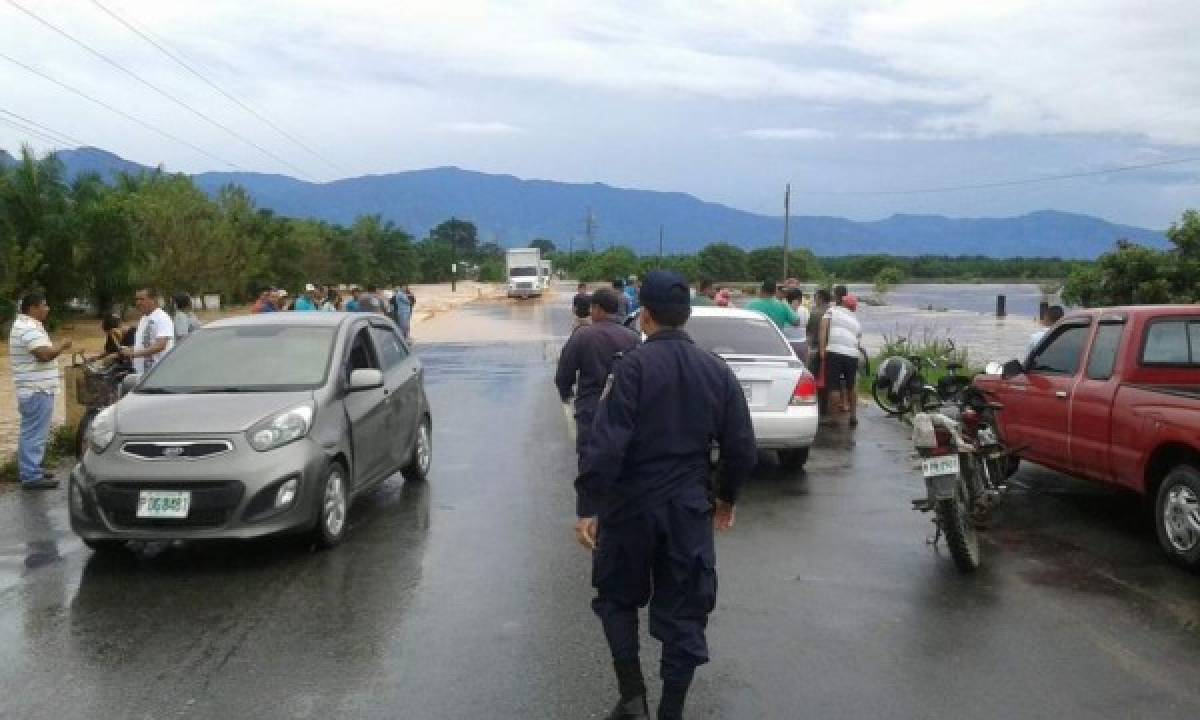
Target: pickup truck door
<point>1044,392</point>
<point>1092,403</point>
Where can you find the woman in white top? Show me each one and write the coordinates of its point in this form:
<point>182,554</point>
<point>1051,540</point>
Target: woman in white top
<point>840,336</point>
<point>797,335</point>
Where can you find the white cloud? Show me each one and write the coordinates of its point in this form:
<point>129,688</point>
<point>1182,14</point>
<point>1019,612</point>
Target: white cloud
<point>911,136</point>
<point>481,128</point>
<point>1072,66</point>
<point>796,133</point>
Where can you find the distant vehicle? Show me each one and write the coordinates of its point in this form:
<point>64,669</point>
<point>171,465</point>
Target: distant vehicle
<point>255,426</point>
<point>1113,396</point>
<point>780,391</point>
<point>546,268</point>
<point>523,266</point>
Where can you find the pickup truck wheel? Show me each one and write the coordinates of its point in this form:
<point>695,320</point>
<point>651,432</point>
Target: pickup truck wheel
<point>1177,516</point>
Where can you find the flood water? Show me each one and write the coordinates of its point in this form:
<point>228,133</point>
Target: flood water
<point>965,313</point>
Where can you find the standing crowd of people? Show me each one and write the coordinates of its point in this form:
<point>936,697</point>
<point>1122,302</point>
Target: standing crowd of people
<point>397,304</point>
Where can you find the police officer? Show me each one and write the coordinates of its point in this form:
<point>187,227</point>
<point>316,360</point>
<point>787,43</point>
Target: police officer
<point>643,498</point>
<point>589,355</point>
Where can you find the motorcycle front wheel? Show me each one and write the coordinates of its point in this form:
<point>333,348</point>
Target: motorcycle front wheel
<point>954,518</point>
<point>897,405</point>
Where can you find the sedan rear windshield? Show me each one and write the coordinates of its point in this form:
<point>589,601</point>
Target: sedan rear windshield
<point>275,358</point>
<point>738,336</point>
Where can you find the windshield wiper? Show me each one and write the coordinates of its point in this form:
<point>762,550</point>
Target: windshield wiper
<point>157,391</point>
<point>218,390</point>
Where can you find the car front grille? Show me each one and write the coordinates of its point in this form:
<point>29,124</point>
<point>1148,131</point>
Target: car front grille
<point>179,450</point>
<point>213,502</point>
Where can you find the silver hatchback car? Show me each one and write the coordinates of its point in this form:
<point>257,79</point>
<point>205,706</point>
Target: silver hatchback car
<point>255,426</point>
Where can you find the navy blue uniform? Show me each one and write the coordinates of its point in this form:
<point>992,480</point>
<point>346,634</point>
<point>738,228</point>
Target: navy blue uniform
<point>644,474</point>
<point>585,363</point>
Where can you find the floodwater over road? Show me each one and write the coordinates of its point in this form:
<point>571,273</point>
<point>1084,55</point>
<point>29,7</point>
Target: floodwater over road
<point>467,597</point>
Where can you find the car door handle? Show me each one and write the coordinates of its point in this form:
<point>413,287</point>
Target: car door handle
<point>1060,395</point>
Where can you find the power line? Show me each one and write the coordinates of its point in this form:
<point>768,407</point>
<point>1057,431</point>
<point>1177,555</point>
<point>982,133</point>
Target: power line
<point>1010,183</point>
<point>186,66</point>
<point>122,113</point>
<point>155,88</point>
<point>64,138</point>
<point>30,131</point>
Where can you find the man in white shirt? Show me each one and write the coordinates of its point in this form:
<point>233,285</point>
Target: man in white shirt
<point>35,378</point>
<point>155,334</point>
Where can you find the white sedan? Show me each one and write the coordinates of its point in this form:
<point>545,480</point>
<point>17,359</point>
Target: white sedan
<point>781,392</point>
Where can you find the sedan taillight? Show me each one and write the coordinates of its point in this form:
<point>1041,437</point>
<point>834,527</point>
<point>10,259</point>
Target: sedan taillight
<point>805,392</point>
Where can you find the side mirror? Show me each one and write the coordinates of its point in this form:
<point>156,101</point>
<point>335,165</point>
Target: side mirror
<point>1012,369</point>
<point>128,383</point>
<point>365,379</point>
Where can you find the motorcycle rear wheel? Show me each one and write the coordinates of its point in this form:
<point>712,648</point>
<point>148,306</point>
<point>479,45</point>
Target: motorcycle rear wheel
<point>954,518</point>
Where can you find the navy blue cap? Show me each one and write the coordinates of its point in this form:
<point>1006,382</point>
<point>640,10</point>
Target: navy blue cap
<point>664,287</point>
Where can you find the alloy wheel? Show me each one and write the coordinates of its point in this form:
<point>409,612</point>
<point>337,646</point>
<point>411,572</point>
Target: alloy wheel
<point>1181,518</point>
<point>333,513</point>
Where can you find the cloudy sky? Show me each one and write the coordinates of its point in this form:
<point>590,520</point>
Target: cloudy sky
<point>848,100</point>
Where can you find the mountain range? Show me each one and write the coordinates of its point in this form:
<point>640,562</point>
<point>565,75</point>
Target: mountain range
<point>512,211</point>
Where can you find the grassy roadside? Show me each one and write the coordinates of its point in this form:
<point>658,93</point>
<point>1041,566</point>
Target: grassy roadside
<point>932,350</point>
<point>59,446</point>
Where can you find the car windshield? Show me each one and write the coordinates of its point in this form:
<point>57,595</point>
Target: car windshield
<point>270,358</point>
<point>523,272</point>
<point>737,336</point>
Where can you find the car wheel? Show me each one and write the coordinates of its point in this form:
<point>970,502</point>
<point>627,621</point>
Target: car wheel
<point>418,466</point>
<point>1177,516</point>
<point>106,545</point>
<point>793,459</point>
<point>333,507</point>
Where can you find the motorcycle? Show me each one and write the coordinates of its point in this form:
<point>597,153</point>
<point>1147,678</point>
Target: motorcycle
<point>965,466</point>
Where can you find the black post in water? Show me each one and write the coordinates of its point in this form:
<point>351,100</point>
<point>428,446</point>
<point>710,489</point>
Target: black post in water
<point>1000,311</point>
<point>1043,308</point>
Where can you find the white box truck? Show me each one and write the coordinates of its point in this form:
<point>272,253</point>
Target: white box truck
<point>523,267</point>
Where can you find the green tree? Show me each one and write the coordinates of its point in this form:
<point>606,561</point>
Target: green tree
<point>609,265</point>
<point>722,261</point>
<point>767,264</point>
<point>546,246</point>
<point>886,279</point>
<point>460,234</point>
<point>40,244</point>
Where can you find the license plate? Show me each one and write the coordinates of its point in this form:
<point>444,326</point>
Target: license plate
<point>943,465</point>
<point>163,504</point>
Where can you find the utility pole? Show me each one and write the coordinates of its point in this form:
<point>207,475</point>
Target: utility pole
<point>787,222</point>
<point>589,229</point>
<point>660,246</point>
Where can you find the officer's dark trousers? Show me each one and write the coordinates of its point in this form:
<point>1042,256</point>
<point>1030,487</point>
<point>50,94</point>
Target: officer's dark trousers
<point>664,557</point>
<point>584,416</point>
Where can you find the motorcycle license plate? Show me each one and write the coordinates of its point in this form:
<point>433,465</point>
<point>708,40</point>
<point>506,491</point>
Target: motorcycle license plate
<point>942,465</point>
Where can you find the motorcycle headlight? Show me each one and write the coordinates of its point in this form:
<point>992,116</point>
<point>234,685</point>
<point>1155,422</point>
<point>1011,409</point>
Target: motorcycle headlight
<point>281,428</point>
<point>103,429</point>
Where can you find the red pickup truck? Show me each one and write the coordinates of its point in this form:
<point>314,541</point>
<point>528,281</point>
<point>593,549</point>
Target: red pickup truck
<point>1113,396</point>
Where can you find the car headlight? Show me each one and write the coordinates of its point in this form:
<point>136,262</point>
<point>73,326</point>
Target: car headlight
<point>103,428</point>
<point>281,428</point>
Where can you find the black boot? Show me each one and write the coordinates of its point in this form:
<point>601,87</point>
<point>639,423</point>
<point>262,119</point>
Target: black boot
<point>632,686</point>
<point>674,695</point>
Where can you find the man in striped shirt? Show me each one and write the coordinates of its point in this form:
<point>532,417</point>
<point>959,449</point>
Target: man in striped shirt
<point>35,376</point>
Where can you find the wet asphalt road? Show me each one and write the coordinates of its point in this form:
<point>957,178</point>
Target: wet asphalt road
<point>466,597</point>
